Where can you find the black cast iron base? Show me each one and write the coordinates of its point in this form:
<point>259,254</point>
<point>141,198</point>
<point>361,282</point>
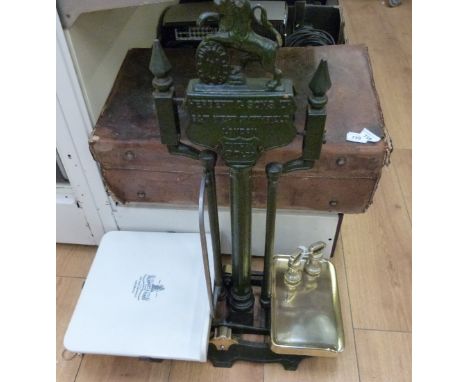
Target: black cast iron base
<point>252,352</point>
<point>242,323</point>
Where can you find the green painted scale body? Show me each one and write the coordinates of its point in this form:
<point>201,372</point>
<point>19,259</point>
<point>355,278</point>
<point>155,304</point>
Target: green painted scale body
<point>239,118</point>
<point>240,121</point>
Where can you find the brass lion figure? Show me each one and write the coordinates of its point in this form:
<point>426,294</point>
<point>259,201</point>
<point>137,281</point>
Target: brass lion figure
<point>235,19</point>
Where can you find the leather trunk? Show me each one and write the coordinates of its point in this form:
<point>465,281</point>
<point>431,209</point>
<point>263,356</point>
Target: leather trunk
<point>137,168</point>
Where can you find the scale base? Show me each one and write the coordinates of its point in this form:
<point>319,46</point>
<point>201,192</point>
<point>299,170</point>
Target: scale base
<point>252,352</point>
<point>311,300</point>
<point>124,310</point>
<point>227,345</point>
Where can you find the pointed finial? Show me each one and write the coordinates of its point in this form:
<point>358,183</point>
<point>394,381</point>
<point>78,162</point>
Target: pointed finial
<point>319,85</point>
<point>160,67</point>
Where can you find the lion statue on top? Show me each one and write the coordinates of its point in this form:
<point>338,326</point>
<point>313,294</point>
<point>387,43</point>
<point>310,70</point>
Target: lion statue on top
<point>235,18</point>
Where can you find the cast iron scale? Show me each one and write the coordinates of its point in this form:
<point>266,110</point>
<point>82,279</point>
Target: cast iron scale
<point>238,118</point>
<point>136,302</point>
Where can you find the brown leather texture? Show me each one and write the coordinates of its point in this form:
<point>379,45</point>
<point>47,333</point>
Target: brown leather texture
<point>138,168</point>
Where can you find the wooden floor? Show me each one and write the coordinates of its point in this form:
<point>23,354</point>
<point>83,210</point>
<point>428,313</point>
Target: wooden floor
<point>373,259</point>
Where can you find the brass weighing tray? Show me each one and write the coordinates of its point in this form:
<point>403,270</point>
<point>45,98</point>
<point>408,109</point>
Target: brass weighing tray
<point>306,319</point>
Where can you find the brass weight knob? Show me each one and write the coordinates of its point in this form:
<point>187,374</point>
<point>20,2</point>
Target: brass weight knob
<point>313,266</point>
<point>293,275</point>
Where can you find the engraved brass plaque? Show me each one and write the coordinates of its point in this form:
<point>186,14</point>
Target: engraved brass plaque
<point>240,121</point>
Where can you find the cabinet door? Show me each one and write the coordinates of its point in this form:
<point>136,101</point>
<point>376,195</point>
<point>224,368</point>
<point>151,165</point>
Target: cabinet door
<point>83,208</point>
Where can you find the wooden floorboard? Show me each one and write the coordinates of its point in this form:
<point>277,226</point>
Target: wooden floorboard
<point>377,247</point>
<point>402,162</point>
<point>384,356</point>
<point>96,368</point>
<point>377,244</point>
<point>68,291</point>
<point>74,260</point>
<point>205,372</point>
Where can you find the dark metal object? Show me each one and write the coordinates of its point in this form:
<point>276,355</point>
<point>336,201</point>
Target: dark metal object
<point>206,264</point>
<point>309,36</point>
<point>240,121</point>
<point>164,96</point>
<point>166,107</point>
<point>178,25</point>
<point>253,352</point>
<point>337,234</point>
<point>316,113</point>
<point>239,118</point>
<point>235,31</point>
<point>325,17</point>
<point>256,278</point>
<point>242,329</point>
<point>248,350</point>
<point>241,296</point>
<point>273,171</point>
<point>319,85</point>
<point>208,159</point>
<point>311,148</point>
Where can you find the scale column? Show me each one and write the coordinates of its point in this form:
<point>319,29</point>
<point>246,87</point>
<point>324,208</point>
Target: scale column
<point>241,297</point>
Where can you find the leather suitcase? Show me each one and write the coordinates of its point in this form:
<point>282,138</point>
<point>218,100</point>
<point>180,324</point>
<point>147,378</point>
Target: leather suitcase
<point>137,168</point>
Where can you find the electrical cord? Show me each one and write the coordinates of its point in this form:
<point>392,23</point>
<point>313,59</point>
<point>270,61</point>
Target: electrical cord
<point>308,35</point>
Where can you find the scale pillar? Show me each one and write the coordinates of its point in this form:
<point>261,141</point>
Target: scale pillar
<point>241,296</point>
